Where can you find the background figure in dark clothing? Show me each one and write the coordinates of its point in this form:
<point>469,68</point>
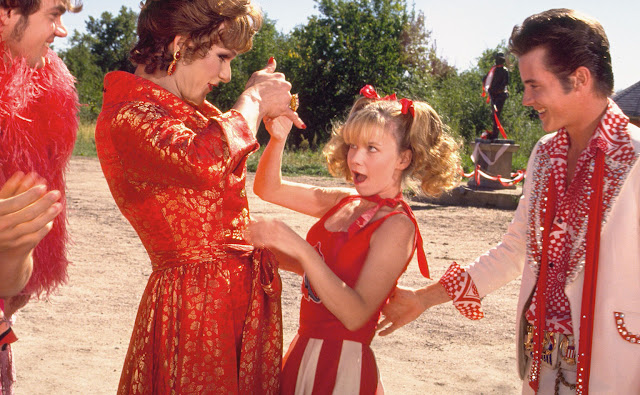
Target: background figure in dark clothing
<point>495,83</point>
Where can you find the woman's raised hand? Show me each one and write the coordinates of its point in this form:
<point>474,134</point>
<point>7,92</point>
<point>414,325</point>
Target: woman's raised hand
<point>267,95</point>
<point>278,128</point>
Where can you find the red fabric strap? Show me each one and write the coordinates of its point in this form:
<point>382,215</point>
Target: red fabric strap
<point>590,277</point>
<point>589,285</point>
<point>500,128</point>
<point>366,217</point>
<point>487,83</point>
<point>541,303</point>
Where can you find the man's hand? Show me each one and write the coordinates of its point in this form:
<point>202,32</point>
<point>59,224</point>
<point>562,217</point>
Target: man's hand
<point>15,303</point>
<point>27,212</point>
<point>405,305</point>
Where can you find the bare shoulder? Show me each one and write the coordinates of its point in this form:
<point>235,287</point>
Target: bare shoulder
<point>399,225</point>
<point>332,196</point>
<point>336,194</point>
<point>393,241</point>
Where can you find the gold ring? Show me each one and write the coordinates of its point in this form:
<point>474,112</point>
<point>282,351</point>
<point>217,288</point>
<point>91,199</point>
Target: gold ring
<point>294,103</point>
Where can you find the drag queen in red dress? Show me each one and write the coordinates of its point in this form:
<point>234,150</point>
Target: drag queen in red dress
<point>209,320</point>
<point>353,256</point>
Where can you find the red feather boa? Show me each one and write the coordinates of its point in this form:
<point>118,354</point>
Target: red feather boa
<point>38,127</point>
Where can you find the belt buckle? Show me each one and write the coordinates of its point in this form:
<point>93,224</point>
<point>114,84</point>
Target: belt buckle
<point>528,340</point>
<point>548,345</point>
<point>568,349</point>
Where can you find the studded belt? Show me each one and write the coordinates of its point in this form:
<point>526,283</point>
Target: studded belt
<point>555,346</point>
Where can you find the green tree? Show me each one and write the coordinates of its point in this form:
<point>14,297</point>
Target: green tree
<point>82,65</point>
<point>352,43</point>
<point>268,42</point>
<point>426,72</point>
<point>457,100</point>
<point>420,53</point>
<point>112,39</point>
<point>456,96</point>
<point>104,47</point>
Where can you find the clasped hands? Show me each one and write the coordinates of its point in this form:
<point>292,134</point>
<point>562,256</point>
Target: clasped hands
<point>27,212</point>
<point>272,92</point>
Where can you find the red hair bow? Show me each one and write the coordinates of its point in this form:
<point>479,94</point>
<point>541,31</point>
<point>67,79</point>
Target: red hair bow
<point>407,105</point>
<point>369,92</point>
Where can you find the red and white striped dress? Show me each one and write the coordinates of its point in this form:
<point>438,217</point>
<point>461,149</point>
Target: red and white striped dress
<point>325,357</point>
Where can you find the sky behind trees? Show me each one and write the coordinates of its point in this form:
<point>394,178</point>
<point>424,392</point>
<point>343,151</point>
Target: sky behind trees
<point>461,29</point>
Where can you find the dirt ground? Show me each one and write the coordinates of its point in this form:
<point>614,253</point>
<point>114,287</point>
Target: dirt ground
<point>75,343</point>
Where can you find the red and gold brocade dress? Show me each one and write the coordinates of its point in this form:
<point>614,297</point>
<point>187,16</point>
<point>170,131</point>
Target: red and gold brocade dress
<point>209,320</point>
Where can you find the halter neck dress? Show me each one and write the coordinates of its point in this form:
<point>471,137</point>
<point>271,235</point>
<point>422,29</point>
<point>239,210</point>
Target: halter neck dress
<point>325,357</point>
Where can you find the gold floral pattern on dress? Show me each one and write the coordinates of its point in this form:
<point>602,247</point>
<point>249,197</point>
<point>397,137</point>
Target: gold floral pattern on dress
<point>209,320</point>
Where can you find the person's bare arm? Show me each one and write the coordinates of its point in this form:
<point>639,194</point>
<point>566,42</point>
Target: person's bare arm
<point>269,185</point>
<point>405,305</point>
<point>385,261</point>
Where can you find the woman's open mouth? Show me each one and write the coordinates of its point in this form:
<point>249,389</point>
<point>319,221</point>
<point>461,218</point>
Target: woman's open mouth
<point>358,178</point>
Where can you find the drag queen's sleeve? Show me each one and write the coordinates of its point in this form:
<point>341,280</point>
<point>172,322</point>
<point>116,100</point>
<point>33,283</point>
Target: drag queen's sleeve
<point>154,146</point>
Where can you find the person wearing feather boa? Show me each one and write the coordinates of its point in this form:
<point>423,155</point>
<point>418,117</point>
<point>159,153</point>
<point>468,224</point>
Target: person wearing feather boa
<point>38,125</point>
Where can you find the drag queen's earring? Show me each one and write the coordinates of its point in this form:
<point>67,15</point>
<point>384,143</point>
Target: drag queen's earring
<point>172,67</point>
